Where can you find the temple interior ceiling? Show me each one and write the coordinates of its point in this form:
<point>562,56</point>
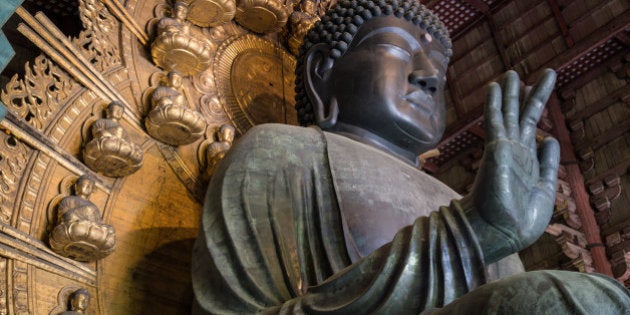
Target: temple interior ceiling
<point>144,102</point>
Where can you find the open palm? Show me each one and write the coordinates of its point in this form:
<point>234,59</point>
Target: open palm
<point>513,195</point>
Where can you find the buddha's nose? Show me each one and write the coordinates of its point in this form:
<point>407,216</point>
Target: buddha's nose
<point>427,80</point>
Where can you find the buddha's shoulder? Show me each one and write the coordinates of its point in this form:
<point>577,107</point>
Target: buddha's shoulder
<point>280,136</point>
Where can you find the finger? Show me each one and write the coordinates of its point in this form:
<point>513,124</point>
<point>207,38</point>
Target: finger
<point>549,159</point>
<point>492,115</point>
<point>535,104</point>
<point>511,104</point>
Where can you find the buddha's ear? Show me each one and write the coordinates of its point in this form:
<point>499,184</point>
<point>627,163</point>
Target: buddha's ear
<point>317,71</point>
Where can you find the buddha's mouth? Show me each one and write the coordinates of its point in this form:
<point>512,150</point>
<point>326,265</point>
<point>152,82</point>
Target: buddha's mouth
<point>421,100</point>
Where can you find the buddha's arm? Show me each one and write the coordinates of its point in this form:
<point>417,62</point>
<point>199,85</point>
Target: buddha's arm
<point>427,265</point>
<point>272,239</point>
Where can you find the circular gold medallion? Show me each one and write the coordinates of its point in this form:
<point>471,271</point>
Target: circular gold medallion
<point>209,13</point>
<point>261,16</point>
<point>255,81</point>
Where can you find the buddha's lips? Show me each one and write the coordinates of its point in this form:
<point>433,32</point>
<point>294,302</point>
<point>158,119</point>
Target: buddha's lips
<point>421,100</point>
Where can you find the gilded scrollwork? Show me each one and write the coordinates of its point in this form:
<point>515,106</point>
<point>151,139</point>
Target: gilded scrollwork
<point>170,119</point>
<point>176,48</point>
<point>13,160</point>
<point>79,233</point>
<point>111,151</point>
<point>97,39</point>
<point>39,94</point>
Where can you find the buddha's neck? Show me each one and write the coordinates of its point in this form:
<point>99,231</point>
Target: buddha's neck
<point>373,140</point>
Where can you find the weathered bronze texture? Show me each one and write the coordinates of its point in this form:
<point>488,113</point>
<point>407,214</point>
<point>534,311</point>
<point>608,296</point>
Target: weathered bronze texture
<point>170,119</point>
<point>79,232</point>
<point>336,219</point>
<point>175,48</point>
<point>111,151</point>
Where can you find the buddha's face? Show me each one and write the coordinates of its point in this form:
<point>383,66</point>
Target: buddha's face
<point>175,79</point>
<point>390,82</point>
<point>226,134</point>
<point>180,11</point>
<point>115,111</point>
<point>80,302</point>
<point>84,186</point>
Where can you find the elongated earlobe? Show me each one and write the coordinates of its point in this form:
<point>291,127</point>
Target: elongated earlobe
<point>317,70</point>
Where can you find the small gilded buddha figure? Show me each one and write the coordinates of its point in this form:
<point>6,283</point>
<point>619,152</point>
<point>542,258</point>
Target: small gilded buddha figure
<point>177,23</point>
<point>300,22</point>
<point>79,302</point>
<point>110,151</point>
<point>217,149</point>
<point>170,119</point>
<point>80,233</point>
<point>176,48</point>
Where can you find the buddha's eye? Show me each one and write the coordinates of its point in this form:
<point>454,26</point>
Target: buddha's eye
<point>397,51</point>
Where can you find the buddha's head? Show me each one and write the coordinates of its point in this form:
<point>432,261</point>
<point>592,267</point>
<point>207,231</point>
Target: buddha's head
<point>180,10</point>
<point>115,110</point>
<point>79,300</point>
<point>226,133</point>
<point>375,71</point>
<point>84,186</point>
<point>174,79</point>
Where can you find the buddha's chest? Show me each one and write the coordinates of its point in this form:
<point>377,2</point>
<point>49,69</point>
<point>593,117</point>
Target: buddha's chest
<point>378,195</point>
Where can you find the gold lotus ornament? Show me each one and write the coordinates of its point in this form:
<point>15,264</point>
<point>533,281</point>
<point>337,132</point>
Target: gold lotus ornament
<point>80,233</point>
<point>262,16</point>
<point>210,13</point>
<point>175,48</point>
<point>111,151</point>
<point>170,119</point>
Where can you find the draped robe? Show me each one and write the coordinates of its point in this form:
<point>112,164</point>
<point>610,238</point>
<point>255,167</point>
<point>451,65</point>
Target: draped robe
<point>299,220</point>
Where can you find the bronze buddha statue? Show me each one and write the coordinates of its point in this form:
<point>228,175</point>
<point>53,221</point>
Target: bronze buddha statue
<point>336,219</point>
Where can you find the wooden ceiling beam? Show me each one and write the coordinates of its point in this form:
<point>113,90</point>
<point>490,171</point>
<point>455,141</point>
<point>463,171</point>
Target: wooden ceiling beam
<point>601,104</point>
<point>479,6</point>
<point>605,138</point>
<point>557,14</point>
<point>624,38</point>
<point>455,97</point>
<point>613,28</point>
<point>596,38</point>
<point>592,74</point>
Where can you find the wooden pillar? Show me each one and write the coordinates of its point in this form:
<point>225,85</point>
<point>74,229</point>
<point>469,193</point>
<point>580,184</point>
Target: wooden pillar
<point>576,180</point>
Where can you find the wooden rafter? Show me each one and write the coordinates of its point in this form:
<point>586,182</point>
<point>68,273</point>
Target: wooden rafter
<point>557,14</point>
<point>596,38</point>
<point>601,104</point>
<point>576,180</point>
